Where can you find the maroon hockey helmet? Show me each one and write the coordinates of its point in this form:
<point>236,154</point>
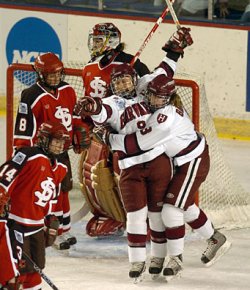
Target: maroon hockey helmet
<point>46,64</point>
<point>109,35</point>
<point>123,81</point>
<point>50,130</point>
<point>159,91</point>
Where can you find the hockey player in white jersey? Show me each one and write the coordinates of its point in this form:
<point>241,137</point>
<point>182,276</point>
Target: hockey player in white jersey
<point>170,127</point>
<point>142,183</point>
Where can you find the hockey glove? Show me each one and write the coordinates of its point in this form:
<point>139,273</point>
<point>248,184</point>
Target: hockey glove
<point>88,106</point>
<point>51,232</point>
<point>81,139</point>
<point>4,198</point>
<point>178,41</point>
<point>102,133</point>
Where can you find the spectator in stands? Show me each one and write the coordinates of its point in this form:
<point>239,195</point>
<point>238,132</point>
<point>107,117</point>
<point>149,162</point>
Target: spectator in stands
<point>199,8</point>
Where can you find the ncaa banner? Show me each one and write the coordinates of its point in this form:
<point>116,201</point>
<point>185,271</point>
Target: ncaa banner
<point>26,34</point>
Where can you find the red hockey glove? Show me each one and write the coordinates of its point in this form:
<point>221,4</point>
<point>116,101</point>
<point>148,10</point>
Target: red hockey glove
<point>178,41</point>
<point>88,106</point>
<point>103,132</point>
<point>81,139</point>
<point>52,224</point>
<point>4,198</point>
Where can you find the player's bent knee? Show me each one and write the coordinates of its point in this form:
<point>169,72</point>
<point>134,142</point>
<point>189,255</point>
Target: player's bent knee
<point>172,216</point>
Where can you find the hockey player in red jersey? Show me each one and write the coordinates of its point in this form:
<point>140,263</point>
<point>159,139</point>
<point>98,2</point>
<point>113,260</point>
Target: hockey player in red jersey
<point>107,51</point>
<point>50,98</point>
<point>142,183</point>
<point>170,127</point>
<point>31,181</point>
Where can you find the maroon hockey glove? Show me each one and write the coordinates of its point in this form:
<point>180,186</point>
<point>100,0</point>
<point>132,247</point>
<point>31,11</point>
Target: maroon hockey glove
<point>51,232</point>
<point>103,132</point>
<point>88,106</point>
<point>81,138</point>
<point>178,41</point>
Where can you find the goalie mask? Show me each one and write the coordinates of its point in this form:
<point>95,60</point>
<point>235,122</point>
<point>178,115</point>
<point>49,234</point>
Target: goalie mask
<point>53,138</point>
<point>123,81</point>
<point>159,92</point>
<point>49,69</point>
<point>103,37</point>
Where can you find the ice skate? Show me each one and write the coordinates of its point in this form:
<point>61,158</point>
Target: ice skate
<point>155,267</point>
<point>216,248</point>
<point>136,271</point>
<point>61,244</point>
<point>69,238</point>
<point>173,268</point>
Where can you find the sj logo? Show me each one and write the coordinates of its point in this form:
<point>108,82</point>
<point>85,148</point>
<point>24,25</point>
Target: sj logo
<point>47,193</point>
<point>99,87</point>
<point>65,117</point>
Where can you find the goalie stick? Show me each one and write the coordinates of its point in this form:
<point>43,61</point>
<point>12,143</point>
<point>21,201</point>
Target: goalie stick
<point>81,213</point>
<point>145,42</point>
<point>39,271</point>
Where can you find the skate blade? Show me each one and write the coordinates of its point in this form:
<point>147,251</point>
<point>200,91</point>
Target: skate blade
<point>222,251</point>
<point>155,276</point>
<point>139,279</point>
<point>172,277</point>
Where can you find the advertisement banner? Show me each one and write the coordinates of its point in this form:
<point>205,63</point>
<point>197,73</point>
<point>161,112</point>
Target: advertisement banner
<point>27,34</point>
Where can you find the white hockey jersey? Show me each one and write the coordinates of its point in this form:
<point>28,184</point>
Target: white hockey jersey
<point>169,127</point>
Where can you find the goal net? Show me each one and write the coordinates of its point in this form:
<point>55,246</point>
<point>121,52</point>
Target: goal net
<point>220,196</point>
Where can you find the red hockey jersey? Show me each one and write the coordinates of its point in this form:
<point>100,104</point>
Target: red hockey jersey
<point>32,183</point>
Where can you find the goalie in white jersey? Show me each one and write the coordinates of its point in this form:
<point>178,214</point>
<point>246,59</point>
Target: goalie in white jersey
<point>170,127</point>
<point>144,176</point>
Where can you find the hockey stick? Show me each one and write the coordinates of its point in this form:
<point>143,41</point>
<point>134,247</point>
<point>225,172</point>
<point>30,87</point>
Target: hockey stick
<point>39,271</point>
<point>173,14</point>
<point>145,42</point>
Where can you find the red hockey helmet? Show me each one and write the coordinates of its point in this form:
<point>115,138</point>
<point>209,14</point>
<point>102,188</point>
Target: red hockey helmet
<point>103,37</point>
<point>46,65</point>
<point>53,138</point>
<point>159,91</point>
<point>123,81</point>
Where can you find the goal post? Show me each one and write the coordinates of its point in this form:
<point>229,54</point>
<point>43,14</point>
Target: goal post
<point>221,195</point>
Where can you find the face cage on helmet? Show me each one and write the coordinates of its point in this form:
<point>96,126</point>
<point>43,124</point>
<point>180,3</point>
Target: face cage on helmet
<point>43,76</point>
<point>44,143</point>
<point>127,93</point>
<point>155,107</point>
<point>109,42</point>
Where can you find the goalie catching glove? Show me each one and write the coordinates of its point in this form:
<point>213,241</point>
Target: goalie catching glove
<point>88,106</point>
<point>178,41</point>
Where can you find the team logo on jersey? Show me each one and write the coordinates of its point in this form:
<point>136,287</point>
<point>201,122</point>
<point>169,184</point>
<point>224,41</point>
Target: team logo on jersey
<point>23,108</point>
<point>99,87</point>
<point>64,115</point>
<point>120,103</point>
<point>28,38</point>
<point>18,236</point>
<point>48,192</point>
<point>161,118</point>
<point>19,158</point>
